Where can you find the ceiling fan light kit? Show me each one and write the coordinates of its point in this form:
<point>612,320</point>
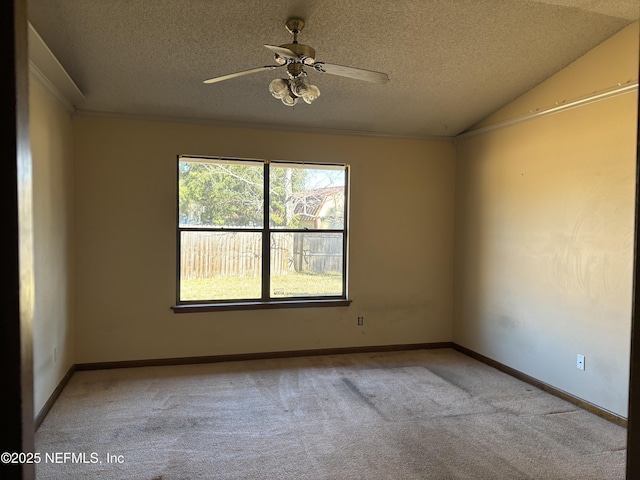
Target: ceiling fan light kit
<point>289,90</point>
<point>295,56</point>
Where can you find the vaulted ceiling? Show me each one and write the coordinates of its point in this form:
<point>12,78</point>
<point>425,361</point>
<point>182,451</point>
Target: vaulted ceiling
<point>450,62</point>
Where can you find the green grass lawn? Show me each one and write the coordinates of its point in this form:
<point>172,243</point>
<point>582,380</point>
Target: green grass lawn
<point>289,285</point>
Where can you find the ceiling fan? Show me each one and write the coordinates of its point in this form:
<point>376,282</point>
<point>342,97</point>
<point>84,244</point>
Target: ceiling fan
<point>295,57</point>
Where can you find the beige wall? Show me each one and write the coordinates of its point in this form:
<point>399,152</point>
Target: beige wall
<point>51,148</point>
<point>544,232</point>
<point>401,232</point>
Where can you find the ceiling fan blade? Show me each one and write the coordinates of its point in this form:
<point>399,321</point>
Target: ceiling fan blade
<point>239,74</point>
<point>283,52</point>
<point>351,72</point>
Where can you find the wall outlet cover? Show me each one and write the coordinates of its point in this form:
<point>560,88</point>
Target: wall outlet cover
<point>580,362</point>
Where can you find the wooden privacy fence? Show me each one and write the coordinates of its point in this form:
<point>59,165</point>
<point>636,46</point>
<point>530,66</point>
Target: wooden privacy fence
<point>238,254</point>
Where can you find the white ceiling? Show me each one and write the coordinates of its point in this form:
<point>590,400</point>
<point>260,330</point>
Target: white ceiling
<point>451,62</point>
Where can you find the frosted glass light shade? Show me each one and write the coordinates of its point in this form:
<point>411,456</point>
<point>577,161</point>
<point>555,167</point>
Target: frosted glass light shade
<point>289,100</point>
<point>299,87</point>
<point>312,94</point>
<point>279,88</point>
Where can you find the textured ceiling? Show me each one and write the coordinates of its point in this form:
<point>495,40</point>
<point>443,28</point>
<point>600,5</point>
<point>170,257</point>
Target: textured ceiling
<point>451,62</point>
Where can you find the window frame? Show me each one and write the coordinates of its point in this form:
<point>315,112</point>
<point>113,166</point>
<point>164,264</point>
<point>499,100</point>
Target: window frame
<point>266,230</point>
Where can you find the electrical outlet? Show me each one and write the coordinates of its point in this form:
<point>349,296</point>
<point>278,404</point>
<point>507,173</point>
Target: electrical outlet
<point>360,320</point>
<point>580,362</point>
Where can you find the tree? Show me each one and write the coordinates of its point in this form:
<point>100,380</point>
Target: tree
<point>218,194</point>
<point>232,195</point>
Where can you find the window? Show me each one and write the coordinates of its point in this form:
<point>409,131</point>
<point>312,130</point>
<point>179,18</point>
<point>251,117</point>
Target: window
<point>255,233</point>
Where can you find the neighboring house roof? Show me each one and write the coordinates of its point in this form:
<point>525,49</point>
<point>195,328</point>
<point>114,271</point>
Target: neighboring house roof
<point>309,203</point>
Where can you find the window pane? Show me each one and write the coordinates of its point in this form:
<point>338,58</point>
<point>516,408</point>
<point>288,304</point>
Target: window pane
<point>306,264</point>
<point>218,193</point>
<point>220,265</point>
<point>306,196</point>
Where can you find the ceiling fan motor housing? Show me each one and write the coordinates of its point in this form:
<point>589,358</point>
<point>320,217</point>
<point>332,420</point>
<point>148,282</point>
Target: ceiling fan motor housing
<point>301,50</point>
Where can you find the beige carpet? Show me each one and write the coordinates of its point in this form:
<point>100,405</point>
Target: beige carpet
<point>425,414</point>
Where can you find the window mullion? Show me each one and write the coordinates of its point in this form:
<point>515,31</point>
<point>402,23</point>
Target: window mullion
<point>266,240</point>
